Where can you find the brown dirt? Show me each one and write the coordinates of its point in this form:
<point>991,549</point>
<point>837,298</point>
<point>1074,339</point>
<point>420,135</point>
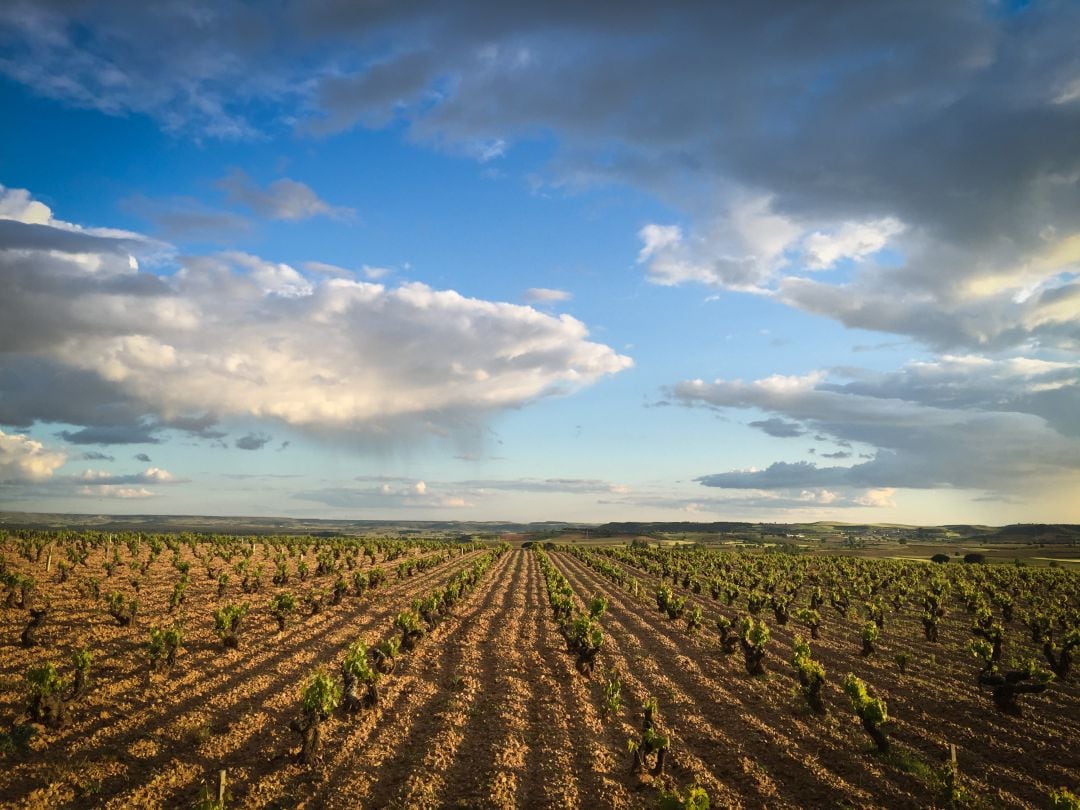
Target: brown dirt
<point>489,711</point>
<point>1009,761</point>
<point>141,740</point>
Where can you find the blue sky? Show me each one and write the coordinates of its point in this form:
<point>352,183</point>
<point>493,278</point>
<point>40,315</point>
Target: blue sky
<point>488,262</point>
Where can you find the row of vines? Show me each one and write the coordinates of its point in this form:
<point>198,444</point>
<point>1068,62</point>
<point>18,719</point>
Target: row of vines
<point>210,611</point>
<point>1017,628</point>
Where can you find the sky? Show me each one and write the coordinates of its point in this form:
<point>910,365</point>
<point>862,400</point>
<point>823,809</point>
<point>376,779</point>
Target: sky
<point>776,261</point>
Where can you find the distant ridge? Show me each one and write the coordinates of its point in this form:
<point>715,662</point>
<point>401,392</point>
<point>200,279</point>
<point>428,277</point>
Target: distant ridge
<point>1049,533</point>
<point>219,524</point>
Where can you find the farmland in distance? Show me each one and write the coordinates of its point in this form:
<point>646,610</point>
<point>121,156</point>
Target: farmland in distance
<point>380,671</point>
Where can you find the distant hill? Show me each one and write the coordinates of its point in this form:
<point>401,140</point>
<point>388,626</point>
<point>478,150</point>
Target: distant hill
<point>1050,533</point>
<point>633,528</point>
<point>266,525</point>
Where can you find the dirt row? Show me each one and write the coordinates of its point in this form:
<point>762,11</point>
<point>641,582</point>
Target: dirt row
<point>1013,761</point>
<point>489,711</point>
<point>142,740</point>
<point>936,702</point>
<point>724,734</point>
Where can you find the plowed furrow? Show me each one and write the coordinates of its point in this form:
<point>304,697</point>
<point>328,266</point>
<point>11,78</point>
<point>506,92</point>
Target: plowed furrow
<point>928,714</point>
<point>800,749</point>
<point>598,743</point>
<point>496,738</point>
<point>455,724</point>
<point>692,742</point>
<point>716,722</point>
<point>805,739</point>
<point>207,677</point>
<point>550,780</point>
<point>356,748</point>
<point>249,713</point>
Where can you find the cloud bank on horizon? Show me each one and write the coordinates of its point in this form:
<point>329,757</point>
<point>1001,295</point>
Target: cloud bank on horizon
<point>911,170</point>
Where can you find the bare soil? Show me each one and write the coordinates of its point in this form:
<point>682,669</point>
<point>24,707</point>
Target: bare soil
<point>489,711</point>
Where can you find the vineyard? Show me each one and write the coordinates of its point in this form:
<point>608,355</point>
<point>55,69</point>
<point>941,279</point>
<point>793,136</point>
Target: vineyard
<point>142,670</point>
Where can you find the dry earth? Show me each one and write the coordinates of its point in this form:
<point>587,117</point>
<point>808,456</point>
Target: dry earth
<point>489,710</point>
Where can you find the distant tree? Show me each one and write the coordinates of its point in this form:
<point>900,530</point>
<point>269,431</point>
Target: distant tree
<point>940,558</point>
<point>974,558</point>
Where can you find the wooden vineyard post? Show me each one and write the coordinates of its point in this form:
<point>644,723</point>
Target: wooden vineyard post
<point>952,778</point>
<point>221,787</point>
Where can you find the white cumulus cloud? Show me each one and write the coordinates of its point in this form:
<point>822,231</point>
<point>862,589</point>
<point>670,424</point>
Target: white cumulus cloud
<point>23,459</point>
<point>851,240</point>
<point>882,497</point>
<point>232,334</point>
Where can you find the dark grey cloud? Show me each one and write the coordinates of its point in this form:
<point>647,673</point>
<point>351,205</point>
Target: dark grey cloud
<point>190,67</point>
<point>870,110</point>
<point>46,289</point>
<point>918,439</point>
<point>94,455</point>
<point>185,218</point>
<point>892,301</point>
<point>950,129</point>
<point>253,441</point>
<point>1048,389</point>
<point>784,475</point>
<point>203,425</point>
<point>374,95</point>
<point>779,428</point>
<point>15,235</point>
<point>774,95</point>
<point>34,388</point>
<point>142,457</point>
<point>112,434</point>
<point>776,131</point>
